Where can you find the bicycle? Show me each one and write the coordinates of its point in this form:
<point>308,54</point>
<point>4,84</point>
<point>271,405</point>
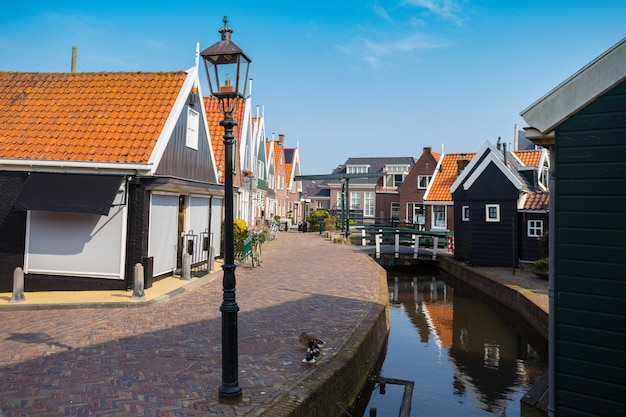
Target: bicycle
<point>255,254</point>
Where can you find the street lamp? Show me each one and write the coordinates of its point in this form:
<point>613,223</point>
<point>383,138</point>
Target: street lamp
<point>227,67</point>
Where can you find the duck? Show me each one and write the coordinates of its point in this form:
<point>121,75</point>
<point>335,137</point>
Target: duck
<point>312,345</point>
<point>305,338</point>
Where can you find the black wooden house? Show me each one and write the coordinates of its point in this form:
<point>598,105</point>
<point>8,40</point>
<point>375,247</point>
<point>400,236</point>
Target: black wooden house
<point>498,216</point>
<point>583,123</point>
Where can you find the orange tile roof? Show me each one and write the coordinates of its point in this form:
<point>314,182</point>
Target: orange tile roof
<point>538,200</point>
<point>442,317</point>
<point>443,179</point>
<point>529,158</point>
<point>277,153</point>
<point>112,117</point>
<point>288,170</point>
<point>214,117</point>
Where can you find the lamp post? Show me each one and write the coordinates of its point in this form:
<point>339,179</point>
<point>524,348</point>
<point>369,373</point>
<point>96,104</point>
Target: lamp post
<point>222,61</point>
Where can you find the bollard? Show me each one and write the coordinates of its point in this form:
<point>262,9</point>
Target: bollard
<point>18,286</point>
<point>186,274</point>
<point>363,240</point>
<point>378,238</point>
<point>211,260</point>
<point>397,245</point>
<point>416,246</point>
<point>138,293</point>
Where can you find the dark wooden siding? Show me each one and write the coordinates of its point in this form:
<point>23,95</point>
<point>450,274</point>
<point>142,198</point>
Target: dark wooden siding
<point>590,267</point>
<point>529,247</point>
<point>461,229</point>
<point>12,228</point>
<point>182,162</point>
<point>490,243</point>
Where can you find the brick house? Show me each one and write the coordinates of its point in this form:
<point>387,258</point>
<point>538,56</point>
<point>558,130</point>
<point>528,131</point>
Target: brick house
<point>414,187</point>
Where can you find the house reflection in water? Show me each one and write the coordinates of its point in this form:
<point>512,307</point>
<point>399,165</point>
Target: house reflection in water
<point>488,358</point>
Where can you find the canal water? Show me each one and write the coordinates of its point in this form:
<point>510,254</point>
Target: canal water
<point>467,355</point>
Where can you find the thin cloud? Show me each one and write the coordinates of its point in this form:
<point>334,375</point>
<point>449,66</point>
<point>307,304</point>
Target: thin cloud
<point>381,12</point>
<point>376,51</point>
<point>446,9</point>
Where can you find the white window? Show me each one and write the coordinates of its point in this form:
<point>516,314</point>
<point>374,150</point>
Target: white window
<point>368,209</point>
<point>439,217</point>
<point>492,213</point>
<point>395,211</point>
<point>535,228</point>
<point>465,213</point>
<point>423,181</point>
<point>339,200</point>
<point>193,122</point>
<point>355,200</point>
<point>415,213</point>
<point>397,167</point>
<point>357,169</point>
<point>260,170</point>
<point>394,180</point>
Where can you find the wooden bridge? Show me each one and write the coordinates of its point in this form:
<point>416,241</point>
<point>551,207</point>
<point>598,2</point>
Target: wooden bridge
<point>402,247</point>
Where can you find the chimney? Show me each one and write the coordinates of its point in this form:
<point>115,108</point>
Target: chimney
<point>428,149</point>
<point>74,49</point>
<point>281,140</point>
<point>461,164</point>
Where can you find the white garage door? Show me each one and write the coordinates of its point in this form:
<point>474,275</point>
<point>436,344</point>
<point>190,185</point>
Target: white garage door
<point>163,232</point>
<point>76,244</point>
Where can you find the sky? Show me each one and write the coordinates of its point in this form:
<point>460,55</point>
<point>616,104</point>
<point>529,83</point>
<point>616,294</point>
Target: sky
<point>341,78</point>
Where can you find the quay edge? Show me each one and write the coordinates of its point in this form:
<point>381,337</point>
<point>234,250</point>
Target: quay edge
<point>337,382</point>
<point>518,299</point>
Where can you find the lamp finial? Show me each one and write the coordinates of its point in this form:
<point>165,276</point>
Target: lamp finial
<point>226,31</point>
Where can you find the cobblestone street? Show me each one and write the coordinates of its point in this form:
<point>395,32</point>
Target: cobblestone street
<point>164,358</point>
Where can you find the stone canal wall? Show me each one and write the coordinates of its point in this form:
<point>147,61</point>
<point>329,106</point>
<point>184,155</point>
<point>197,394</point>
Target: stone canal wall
<point>508,290</point>
<point>335,385</point>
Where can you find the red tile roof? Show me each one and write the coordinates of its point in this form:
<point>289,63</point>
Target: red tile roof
<point>214,117</point>
<point>111,117</point>
<point>529,158</point>
<point>538,200</point>
<point>444,178</point>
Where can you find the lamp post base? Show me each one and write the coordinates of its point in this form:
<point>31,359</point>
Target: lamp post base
<point>230,393</point>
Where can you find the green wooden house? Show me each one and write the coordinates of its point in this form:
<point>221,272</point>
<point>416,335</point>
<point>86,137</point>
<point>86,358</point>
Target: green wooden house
<point>583,122</point>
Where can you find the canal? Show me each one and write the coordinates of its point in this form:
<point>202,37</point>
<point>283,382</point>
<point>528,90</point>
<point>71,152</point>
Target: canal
<point>467,355</point>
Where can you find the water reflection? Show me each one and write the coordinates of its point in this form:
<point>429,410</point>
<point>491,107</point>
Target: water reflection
<point>465,357</point>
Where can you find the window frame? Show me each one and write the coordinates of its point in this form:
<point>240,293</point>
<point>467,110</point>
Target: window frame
<point>193,127</point>
<point>537,226</point>
<point>369,199</point>
<point>434,218</point>
<point>355,200</point>
<point>420,179</point>
<point>488,217</point>
<point>465,213</point>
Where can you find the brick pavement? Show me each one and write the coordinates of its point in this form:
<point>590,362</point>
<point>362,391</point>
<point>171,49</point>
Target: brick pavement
<point>164,359</point>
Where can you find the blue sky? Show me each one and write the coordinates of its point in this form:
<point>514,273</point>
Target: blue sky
<point>341,78</point>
